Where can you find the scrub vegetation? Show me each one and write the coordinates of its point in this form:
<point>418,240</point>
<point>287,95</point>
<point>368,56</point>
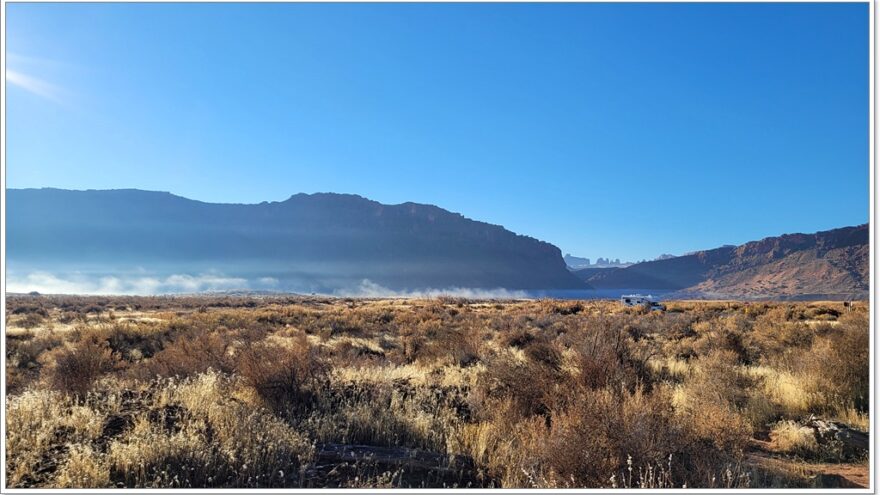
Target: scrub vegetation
<point>320,392</point>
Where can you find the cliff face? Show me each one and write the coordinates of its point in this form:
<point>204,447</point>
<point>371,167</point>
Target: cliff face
<point>320,241</point>
<point>833,263</point>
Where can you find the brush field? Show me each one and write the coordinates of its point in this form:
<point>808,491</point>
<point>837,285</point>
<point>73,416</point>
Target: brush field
<point>263,392</point>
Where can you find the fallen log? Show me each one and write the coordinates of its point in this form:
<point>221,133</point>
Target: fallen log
<point>853,441</point>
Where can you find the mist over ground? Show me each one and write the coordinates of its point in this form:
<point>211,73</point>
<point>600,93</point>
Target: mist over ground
<point>141,282</point>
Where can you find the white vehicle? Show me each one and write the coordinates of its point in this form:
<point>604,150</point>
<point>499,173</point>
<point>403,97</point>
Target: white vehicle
<point>640,300</point>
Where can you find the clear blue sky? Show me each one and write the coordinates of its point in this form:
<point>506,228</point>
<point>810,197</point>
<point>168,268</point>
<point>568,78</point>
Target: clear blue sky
<point>621,131</point>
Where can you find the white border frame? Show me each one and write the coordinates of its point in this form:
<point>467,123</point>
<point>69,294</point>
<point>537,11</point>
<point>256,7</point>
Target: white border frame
<point>872,273</point>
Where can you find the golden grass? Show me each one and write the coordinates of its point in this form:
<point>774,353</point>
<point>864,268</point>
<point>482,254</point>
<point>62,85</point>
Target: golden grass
<point>677,369</point>
<point>851,416</point>
<point>785,390</point>
<point>790,437</point>
<point>238,392</point>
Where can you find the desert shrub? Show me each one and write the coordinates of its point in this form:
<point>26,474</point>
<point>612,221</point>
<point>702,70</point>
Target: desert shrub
<point>29,309</point>
<point>675,326</point>
<point>412,343</point>
<point>599,366</point>
<point>433,341</point>
<point>719,425</point>
<point>456,346</point>
<point>586,442</point>
<point>30,320</point>
<point>287,377</point>
<point>385,414</point>
<point>592,439</point>
<point>23,350</point>
<point>357,352</point>
<point>190,355</point>
<point>535,393</point>
<point>23,357</point>
<point>779,392</point>
<point>219,443</point>
<point>69,317</point>
<point>712,398</point>
<point>728,334</point>
<point>74,368</point>
<point>567,308</point>
<point>526,384</point>
<point>719,378</point>
<point>603,357</point>
<point>823,313</point>
<point>17,380</point>
<point>342,325</point>
<point>133,342</point>
<point>838,364</point>
<point>94,308</point>
<point>852,417</point>
<point>518,338</point>
<point>546,354</point>
<point>773,336</point>
<point>753,309</point>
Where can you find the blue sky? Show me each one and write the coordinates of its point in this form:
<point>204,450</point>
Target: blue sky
<point>622,131</point>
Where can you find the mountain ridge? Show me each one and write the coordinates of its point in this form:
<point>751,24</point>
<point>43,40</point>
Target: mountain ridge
<point>825,263</point>
<point>328,240</point>
<point>323,240</point>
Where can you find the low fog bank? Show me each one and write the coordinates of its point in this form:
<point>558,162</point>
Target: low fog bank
<point>140,285</point>
<point>369,289</point>
<point>139,282</point>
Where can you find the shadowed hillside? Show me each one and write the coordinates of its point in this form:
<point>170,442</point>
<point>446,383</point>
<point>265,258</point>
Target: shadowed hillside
<point>830,263</point>
<point>321,241</point>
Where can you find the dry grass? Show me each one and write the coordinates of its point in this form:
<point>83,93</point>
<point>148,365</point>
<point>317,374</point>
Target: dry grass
<point>248,392</point>
<point>792,438</point>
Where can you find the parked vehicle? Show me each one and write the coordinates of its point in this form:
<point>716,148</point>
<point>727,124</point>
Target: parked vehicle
<point>640,300</point>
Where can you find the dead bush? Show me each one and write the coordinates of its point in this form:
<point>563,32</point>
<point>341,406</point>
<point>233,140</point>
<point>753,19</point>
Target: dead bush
<point>73,369</point>
<point>712,398</point>
<point>189,356</point>
<point>286,376</point>
<point>518,338</point>
<point>596,436</point>
<point>545,354</point>
<point>568,308</point>
<point>31,320</point>
<point>526,384</point>
<point>838,363</point>
<point>603,357</point>
<point>26,309</point>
